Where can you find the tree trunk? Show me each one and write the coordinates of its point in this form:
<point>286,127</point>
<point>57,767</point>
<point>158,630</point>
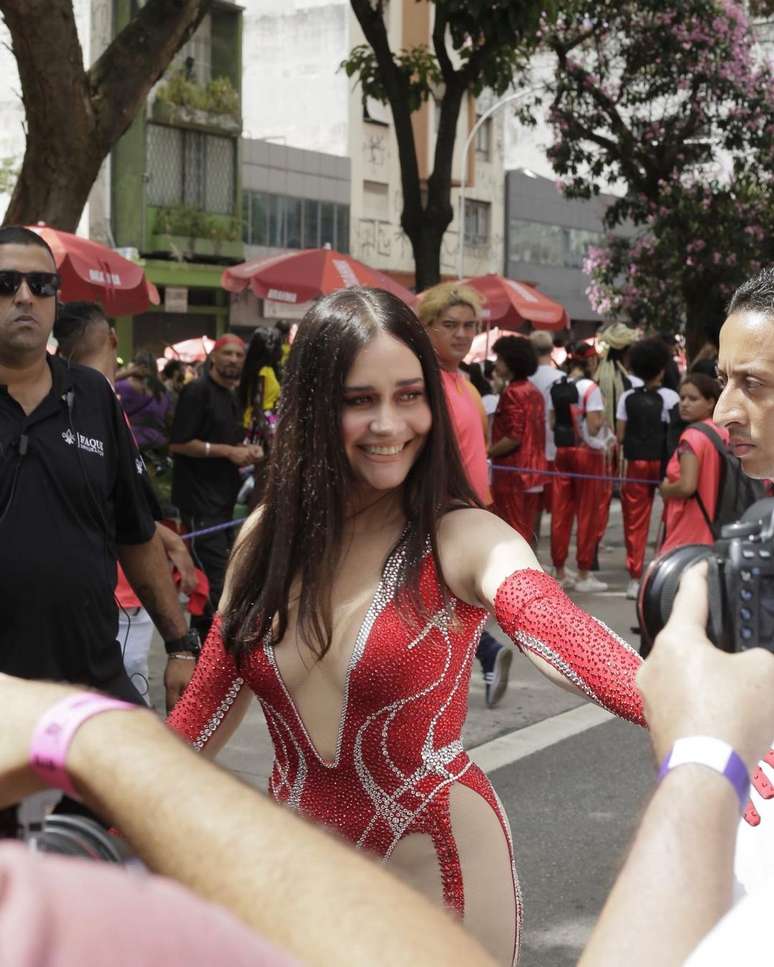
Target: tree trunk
<point>54,182</point>
<point>426,245</point>
<point>704,315</point>
<point>74,116</point>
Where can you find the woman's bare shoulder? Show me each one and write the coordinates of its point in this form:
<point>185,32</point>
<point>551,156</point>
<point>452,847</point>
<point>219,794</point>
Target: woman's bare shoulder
<point>463,519</point>
<point>475,545</point>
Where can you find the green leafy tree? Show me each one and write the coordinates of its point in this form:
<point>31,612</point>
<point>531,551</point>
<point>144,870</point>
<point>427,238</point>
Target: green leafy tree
<point>75,115</point>
<point>667,101</point>
<point>476,44</point>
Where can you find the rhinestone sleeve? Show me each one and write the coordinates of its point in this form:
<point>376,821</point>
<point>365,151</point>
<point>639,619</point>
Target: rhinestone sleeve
<point>210,693</point>
<point>538,617</point>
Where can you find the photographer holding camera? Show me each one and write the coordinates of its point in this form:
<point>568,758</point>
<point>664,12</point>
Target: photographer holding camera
<point>711,715</point>
<point>677,882</point>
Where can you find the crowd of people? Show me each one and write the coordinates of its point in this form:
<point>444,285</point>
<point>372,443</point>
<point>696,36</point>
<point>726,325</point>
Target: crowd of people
<point>396,506</point>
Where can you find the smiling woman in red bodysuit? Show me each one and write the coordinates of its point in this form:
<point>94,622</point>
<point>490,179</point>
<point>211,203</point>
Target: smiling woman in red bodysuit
<point>353,606</point>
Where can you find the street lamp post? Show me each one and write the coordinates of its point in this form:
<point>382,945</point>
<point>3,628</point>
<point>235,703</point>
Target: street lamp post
<point>514,96</point>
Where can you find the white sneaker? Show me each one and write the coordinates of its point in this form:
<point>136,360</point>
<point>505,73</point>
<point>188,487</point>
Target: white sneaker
<point>633,589</point>
<point>590,584</point>
<point>567,582</point>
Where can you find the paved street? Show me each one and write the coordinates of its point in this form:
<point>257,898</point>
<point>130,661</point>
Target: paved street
<point>572,792</point>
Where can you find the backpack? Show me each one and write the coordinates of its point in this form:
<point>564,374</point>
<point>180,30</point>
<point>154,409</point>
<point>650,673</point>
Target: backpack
<point>569,412</point>
<point>645,434</point>
<point>736,491</point>
<point>674,430</point>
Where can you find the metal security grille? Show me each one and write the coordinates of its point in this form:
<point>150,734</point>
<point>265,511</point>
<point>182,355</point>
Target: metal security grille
<point>219,174</point>
<point>193,169</point>
<point>190,168</point>
<point>164,166</point>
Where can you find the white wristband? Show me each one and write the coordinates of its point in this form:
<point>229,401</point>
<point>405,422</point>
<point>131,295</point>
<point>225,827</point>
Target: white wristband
<point>207,448</point>
<point>705,750</point>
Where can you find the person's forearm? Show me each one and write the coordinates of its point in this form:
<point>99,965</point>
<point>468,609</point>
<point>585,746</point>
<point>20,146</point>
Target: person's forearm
<point>676,882</point>
<point>200,449</point>
<point>177,553</point>
<point>503,447</point>
<point>676,488</point>
<point>195,823</point>
<point>146,569</point>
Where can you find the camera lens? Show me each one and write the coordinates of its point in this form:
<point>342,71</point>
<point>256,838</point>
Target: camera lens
<point>659,587</point>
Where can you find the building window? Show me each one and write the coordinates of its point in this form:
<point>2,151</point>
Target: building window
<point>311,236</point>
<point>190,168</point>
<point>477,220</point>
<point>484,141</point>
<point>277,221</point>
<point>543,244</point>
<point>577,243</point>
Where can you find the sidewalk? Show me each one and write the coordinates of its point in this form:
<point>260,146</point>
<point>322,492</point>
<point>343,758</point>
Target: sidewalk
<point>530,697</point>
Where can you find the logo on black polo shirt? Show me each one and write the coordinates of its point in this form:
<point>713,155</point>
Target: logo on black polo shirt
<point>88,444</point>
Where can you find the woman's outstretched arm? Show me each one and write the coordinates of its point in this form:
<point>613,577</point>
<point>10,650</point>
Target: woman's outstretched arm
<point>486,563</point>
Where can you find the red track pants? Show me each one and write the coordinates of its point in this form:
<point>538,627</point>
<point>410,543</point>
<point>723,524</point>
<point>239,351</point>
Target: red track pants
<point>516,508</point>
<point>586,499</point>
<point>606,493</point>
<point>636,505</point>
<point>548,488</point>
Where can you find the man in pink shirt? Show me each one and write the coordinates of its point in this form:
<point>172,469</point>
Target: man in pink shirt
<point>450,313</point>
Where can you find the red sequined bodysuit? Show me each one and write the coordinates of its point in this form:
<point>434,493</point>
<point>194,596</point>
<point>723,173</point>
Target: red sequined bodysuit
<point>399,749</point>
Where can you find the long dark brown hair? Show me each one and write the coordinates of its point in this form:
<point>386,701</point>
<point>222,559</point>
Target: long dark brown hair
<point>300,530</point>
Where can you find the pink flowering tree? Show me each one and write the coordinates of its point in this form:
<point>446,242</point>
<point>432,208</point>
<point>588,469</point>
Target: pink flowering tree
<point>708,239</point>
<point>667,103</point>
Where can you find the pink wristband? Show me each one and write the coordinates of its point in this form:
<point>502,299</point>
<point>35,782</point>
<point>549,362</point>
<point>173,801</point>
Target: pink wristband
<point>55,730</point>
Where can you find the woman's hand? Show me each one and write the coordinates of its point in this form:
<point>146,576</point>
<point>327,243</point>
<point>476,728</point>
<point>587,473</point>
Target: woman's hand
<point>177,675</point>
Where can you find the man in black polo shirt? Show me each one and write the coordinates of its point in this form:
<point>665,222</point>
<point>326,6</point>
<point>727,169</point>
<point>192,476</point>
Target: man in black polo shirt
<point>71,499</point>
<point>206,443</point>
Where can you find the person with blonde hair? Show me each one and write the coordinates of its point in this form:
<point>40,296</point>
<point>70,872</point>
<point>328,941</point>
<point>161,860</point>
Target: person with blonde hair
<point>544,377</point>
<point>450,313</point>
<point>613,379</point>
<point>611,375</point>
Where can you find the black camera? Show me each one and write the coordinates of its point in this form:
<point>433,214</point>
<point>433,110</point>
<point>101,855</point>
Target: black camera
<point>740,578</point>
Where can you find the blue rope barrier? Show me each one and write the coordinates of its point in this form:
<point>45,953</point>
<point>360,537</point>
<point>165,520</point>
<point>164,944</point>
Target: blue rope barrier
<point>495,466</point>
<point>213,529</point>
<point>577,476</point>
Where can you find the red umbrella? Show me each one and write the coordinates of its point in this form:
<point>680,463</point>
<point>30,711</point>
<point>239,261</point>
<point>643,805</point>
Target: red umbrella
<point>307,274</point>
<point>510,304</point>
<point>95,273</point>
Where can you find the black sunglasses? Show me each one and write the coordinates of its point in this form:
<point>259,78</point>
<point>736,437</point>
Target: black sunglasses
<point>41,284</point>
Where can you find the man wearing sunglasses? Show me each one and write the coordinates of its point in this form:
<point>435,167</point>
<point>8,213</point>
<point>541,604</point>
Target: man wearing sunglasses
<point>71,497</point>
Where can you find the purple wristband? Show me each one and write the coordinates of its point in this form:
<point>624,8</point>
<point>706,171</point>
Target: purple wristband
<point>713,753</point>
<point>55,730</point>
